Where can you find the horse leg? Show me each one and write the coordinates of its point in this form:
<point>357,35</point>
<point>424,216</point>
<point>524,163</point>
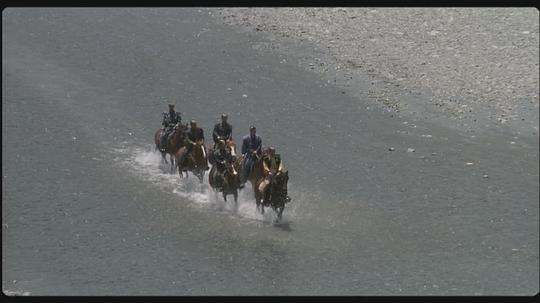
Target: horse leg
<point>180,171</point>
<point>201,176</point>
<point>172,163</point>
<point>224,197</point>
<point>261,202</point>
<point>235,195</point>
<point>257,203</point>
<point>164,157</point>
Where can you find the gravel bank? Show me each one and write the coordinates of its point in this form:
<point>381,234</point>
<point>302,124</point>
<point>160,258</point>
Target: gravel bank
<point>477,67</point>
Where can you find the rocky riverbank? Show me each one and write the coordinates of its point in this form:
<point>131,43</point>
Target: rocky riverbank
<point>475,67</point>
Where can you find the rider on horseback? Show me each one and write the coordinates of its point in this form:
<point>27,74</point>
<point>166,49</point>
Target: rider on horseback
<point>251,148</point>
<point>170,119</point>
<point>273,171</point>
<point>222,156</point>
<point>192,136</point>
<point>222,131</point>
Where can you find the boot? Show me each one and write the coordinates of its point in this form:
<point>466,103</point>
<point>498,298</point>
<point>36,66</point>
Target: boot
<point>285,195</point>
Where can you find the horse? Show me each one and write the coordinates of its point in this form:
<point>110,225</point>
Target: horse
<point>255,174</point>
<point>231,184</point>
<point>174,142</point>
<point>196,162</point>
<point>274,196</point>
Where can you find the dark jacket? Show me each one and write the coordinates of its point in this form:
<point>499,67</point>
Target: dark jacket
<point>221,130</point>
<point>195,134</point>
<point>171,118</point>
<point>249,144</point>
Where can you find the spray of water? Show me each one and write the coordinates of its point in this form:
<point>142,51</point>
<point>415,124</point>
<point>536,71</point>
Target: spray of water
<point>147,164</point>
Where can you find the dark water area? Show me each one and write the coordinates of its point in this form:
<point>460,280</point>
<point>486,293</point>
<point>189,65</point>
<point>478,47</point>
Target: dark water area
<point>87,208</point>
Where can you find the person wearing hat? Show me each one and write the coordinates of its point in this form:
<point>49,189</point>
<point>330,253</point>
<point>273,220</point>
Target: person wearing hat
<point>222,156</point>
<point>170,119</point>
<point>223,130</point>
<point>273,170</point>
<point>251,147</point>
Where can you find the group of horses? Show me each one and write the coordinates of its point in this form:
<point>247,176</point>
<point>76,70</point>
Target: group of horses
<point>197,164</point>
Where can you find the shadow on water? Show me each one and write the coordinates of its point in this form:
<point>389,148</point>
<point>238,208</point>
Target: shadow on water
<point>285,226</point>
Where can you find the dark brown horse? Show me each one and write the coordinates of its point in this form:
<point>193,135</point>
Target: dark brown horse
<point>196,162</point>
<point>174,143</point>
<point>231,184</point>
<point>231,145</point>
<point>273,196</point>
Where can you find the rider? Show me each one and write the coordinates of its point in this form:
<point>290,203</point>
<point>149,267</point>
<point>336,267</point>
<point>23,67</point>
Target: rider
<point>222,131</point>
<point>170,119</point>
<point>251,147</point>
<point>221,156</point>
<point>193,135</point>
<point>273,168</point>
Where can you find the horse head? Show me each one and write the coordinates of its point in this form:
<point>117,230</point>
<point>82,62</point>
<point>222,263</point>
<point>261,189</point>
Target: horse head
<point>231,174</point>
<point>231,169</point>
<point>199,152</point>
<point>232,147</point>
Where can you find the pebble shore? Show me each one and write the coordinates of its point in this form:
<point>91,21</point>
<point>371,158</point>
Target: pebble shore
<point>473,65</point>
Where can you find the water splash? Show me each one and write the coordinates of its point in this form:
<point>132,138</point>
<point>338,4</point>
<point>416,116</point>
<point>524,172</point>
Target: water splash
<point>147,164</point>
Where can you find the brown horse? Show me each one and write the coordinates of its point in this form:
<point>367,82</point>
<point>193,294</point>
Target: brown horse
<point>174,143</point>
<point>231,184</point>
<point>255,176</point>
<point>273,196</point>
<point>196,162</point>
